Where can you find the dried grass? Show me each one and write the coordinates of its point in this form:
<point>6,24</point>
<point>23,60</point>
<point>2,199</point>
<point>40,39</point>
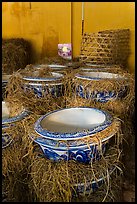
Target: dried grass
<point>16,54</point>
<point>28,172</point>
<point>54,182</point>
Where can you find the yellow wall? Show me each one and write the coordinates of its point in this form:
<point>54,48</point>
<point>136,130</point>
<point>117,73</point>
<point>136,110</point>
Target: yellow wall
<point>102,16</point>
<point>46,24</point>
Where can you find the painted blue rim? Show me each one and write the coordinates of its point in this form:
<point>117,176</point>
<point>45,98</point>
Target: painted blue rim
<point>95,69</point>
<point>19,117</point>
<point>8,142</point>
<point>65,148</point>
<point>56,66</point>
<point>72,148</point>
<point>44,79</point>
<point>46,84</point>
<point>75,135</point>
<point>111,170</point>
<point>79,76</point>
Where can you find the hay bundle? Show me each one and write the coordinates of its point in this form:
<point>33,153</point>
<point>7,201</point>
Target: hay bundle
<point>47,181</point>
<point>15,163</point>
<point>32,71</point>
<point>42,180</point>
<point>31,177</point>
<point>121,107</point>
<point>106,47</point>
<point>54,182</point>
<point>16,54</point>
<point>53,60</point>
<point>15,93</point>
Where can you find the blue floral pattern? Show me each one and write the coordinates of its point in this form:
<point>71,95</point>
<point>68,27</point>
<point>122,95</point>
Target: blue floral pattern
<point>43,90</point>
<point>6,140</point>
<point>100,96</point>
<point>80,155</point>
<point>91,186</point>
<point>14,119</point>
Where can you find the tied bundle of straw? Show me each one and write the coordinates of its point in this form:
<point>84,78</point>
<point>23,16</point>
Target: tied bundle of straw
<point>16,54</point>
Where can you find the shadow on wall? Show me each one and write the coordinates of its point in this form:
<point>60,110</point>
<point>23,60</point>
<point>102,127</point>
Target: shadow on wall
<point>50,43</point>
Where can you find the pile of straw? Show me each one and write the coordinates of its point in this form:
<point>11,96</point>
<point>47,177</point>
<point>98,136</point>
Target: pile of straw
<point>15,92</point>
<point>121,107</point>
<point>28,172</point>
<point>56,181</point>
<point>16,54</point>
<point>15,163</point>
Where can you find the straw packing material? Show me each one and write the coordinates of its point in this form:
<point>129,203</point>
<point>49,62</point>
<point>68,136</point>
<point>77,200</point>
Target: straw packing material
<point>16,54</point>
<point>15,163</point>
<point>15,93</point>
<point>54,182</point>
<point>96,138</point>
<point>63,176</point>
<point>124,105</point>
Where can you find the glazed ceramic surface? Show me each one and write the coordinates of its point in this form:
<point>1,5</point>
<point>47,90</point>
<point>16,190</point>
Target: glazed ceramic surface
<point>92,186</point>
<point>98,68</point>
<point>72,123</point>
<point>101,96</point>
<point>60,134</point>
<point>8,121</point>
<point>39,66</point>
<point>5,114</point>
<point>64,144</point>
<point>57,66</point>
<point>83,154</point>
<point>43,86</point>
<point>98,76</point>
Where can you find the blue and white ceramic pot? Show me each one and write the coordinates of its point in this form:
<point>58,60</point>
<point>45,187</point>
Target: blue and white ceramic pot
<point>8,121</point>
<point>100,96</point>
<point>92,186</point>
<point>51,84</point>
<point>61,133</point>
<point>5,78</point>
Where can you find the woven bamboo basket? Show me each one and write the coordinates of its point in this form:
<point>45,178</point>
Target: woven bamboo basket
<point>106,47</point>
